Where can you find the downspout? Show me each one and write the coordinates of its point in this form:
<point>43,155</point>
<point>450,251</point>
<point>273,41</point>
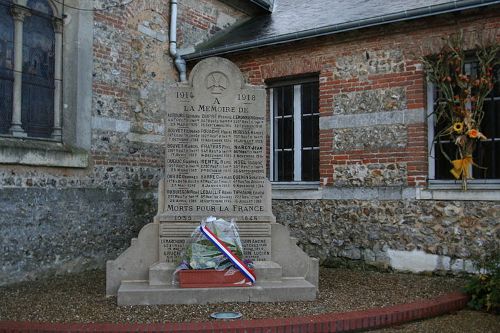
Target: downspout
<point>180,63</point>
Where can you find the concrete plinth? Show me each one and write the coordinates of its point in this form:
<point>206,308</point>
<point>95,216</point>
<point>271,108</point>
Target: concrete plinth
<point>137,277</point>
<point>291,289</point>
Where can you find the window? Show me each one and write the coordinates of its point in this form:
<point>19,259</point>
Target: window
<point>6,67</point>
<point>34,88</point>
<point>30,69</point>
<point>487,152</point>
<point>295,131</point>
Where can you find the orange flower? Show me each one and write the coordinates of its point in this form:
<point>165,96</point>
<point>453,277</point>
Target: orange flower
<point>473,133</point>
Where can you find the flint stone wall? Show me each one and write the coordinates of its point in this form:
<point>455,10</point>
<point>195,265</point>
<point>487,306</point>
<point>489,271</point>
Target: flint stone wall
<point>369,231</point>
<point>370,138</point>
<point>367,101</point>
<point>47,231</point>
<point>375,174</point>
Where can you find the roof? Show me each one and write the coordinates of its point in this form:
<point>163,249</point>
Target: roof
<point>251,7</point>
<point>293,20</point>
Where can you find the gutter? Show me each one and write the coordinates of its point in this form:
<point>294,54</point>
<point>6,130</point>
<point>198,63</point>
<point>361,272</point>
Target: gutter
<point>180,63</point>
<point>406,15</point>
<point>263,4</point>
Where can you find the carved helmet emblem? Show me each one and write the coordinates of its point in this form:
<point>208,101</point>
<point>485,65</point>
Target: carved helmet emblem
<point>216,82</point>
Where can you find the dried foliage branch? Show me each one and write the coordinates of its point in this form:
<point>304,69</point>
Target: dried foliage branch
<point>460,100</point>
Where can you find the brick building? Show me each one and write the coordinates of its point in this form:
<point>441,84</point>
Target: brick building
<point>354,176</point>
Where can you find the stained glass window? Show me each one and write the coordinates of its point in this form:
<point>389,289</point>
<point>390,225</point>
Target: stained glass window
<point>6,65</point>
<point>38,70</point>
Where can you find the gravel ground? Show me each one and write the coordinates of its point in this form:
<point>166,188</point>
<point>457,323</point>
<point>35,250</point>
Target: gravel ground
<point>80,298</point>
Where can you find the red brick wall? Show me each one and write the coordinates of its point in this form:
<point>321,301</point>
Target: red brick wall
<point>321,55</point>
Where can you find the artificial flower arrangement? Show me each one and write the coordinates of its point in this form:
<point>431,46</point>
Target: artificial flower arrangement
<point>460,101</point>
<point>213,257</point>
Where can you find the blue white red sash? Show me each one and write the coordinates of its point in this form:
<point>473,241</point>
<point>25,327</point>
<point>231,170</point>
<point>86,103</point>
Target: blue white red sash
<point>227,252</point>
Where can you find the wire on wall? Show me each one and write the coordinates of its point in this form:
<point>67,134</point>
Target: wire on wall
<point>104,8</point>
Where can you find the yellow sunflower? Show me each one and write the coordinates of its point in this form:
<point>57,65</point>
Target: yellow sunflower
<point>458,127</point>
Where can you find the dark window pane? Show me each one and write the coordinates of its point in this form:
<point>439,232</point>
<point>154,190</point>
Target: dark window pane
<point>306,99</point>
<point>279,135</point>
<point>288,165</point>
<point>310,165</point>
<point>285,166</point>
<point>316,164</point>
<point>496,160</point>
<point>310,131</point>
<point>279,162</point>
<point>6,66</point>
<point>287,133</point>
<point>288,100</point>
<point>488,124</point>
<point>440,125</point>
<point>496,114</point>
<point>278,102</point>
<point>315,131</point>
<point>283,101</point>
<point>307,131</point>
<point>496,80</point>
<point>38,72</point>
<point>483,158</point>
<point>310,94</point>
<point>443,166</point>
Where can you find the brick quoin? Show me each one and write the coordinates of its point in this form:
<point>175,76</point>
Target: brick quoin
<point>320,55</point>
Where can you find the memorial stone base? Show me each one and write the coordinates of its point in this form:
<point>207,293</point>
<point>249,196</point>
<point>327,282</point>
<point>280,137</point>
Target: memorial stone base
<point>137,277</point>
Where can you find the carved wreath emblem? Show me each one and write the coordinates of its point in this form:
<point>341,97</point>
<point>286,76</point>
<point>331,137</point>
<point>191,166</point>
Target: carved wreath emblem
<point>216,82</point>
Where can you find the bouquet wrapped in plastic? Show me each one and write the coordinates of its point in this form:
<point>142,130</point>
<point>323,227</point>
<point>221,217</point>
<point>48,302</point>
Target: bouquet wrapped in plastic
<point>216,245</point>
<point>203,254</point>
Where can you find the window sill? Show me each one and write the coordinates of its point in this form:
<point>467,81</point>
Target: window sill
<point>296,190</point>
<point>477,190</point>
<point>473,184</point>
<point>41,153</point>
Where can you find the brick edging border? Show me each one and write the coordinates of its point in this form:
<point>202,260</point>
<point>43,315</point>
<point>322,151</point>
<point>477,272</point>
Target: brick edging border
<point>329,322</point>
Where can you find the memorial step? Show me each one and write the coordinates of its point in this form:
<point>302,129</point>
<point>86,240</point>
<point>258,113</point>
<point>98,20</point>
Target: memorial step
<point>161,273</point>
<point>288,289</point>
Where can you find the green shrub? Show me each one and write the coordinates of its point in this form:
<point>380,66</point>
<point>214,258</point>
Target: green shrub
<point>484,288</point>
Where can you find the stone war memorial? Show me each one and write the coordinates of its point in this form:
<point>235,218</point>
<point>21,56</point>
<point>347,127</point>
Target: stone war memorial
<point>215,166</point>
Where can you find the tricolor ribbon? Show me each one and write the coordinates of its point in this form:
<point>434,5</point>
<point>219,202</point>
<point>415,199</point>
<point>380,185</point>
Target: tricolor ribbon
<point>228,253</point>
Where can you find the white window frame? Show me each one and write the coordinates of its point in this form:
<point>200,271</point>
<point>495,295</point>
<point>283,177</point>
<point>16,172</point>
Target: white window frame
<point>297,147</point>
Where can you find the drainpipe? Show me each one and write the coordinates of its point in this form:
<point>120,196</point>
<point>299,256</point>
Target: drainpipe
<point>180,63</point>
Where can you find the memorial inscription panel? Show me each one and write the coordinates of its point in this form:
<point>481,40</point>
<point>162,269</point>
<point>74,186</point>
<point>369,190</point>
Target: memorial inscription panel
<point>215,152</point>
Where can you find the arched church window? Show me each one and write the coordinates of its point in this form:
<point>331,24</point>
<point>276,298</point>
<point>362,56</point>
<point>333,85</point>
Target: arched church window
<point>6,65</point>
<point>38,70</point>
